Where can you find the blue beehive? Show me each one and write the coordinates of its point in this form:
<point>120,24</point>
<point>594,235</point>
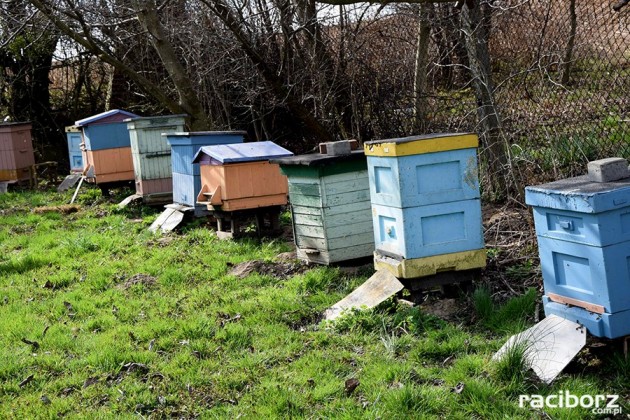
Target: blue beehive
<point>73,136</point>
<point>106,130</point>
<point>186,175</point>
<point>583,230</point>
<point>426,207</point>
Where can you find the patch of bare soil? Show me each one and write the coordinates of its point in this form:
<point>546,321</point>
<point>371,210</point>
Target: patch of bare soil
<point>63,209</point>
<point>143,279</point>
<point>446,309</point>
<point>282,269</point>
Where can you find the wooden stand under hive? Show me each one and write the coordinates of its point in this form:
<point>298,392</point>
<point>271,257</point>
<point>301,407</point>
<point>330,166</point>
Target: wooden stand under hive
<point>426,207</point>
<point>238,183</point>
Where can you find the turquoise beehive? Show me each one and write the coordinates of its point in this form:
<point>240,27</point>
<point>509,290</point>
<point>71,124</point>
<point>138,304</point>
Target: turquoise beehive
<point>583,231</point>
<point>426,207</point>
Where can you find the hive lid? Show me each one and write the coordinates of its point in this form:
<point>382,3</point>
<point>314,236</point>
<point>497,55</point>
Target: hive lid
<point>242,152</point>
<point>107,116</point>
<point>13,123</point>
<point>204,133</point>
<point>580,194</point>
<point>417,145</point>
<point>319,159</point>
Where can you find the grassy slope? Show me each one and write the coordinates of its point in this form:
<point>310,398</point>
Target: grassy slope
<point>201,342</point>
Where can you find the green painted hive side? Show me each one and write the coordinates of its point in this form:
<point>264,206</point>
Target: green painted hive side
<point>151,152</point>
<point>331,211</point>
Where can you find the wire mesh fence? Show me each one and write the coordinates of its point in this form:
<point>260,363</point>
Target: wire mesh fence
<point>561,82</point>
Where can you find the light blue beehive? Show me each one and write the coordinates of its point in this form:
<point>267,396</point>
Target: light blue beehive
<point>186,175</point>
<point>73,137</point>
<point>583,230</point>
<point>425,195</point>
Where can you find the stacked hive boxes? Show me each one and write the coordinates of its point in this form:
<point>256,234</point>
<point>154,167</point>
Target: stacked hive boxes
<point>106,147</point>
<point>151,155</point>
<point>186,176</point>
<point>16,151</point>
<point>583,230</point>
<point>73,137</point>
<point>330,206</point>
<point>426,204</point>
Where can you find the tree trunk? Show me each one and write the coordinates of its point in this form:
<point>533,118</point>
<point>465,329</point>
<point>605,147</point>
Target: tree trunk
<point>421,68</point>
<point>568,52</point>
<point>494,154</point>
<point>150,21</point>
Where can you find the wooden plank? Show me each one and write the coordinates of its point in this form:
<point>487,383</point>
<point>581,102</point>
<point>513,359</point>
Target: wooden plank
<point>591,307</point>
<point>346,230</point>
<point>304,189</point>
<point>375,290</point>
<point>346,198</point>
<point>342,242</point>
<point>351,217</point>
<point>310,231</point>
<point>307,219</point>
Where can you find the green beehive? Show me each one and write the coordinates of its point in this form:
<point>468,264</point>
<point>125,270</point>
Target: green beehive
<point>330,206</point>
<point>151,155</point>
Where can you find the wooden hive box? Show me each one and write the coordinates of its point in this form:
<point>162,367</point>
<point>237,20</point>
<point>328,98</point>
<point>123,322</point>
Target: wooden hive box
<point>583,232</point>
<point>75,157</point>
<point>151,155</point>
<point>16,151</point>
<point>240,176</point>
<point>186,175</point>
<point>330,206</point>
<point>426,204</point>
<point>106,147</point>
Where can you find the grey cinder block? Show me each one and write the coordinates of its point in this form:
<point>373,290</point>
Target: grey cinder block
<point>609,169</point>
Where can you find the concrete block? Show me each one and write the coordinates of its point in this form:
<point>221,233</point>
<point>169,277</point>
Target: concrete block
<point>608,170</point>
<point>338,148</point>
<point>323,148</point>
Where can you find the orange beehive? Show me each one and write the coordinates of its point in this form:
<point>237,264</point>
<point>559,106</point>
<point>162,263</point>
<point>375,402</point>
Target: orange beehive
<point>110,165</point>
<point>240,177</point>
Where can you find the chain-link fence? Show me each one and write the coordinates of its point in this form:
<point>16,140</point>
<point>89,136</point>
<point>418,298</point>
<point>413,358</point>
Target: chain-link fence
<point>561,83</point>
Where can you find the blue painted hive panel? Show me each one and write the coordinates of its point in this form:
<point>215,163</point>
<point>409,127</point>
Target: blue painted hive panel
<point>598,275</point>
<point>598,229</point>
<point>601,325</point>
<point>424,231</point>
<point>184,147</point>
<point>418,180</point>
<point>185,191</point>
<point>74,151</point>
<point>106,136</point>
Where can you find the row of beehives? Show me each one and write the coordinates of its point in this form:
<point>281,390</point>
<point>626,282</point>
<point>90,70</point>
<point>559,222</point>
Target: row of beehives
<point>413,202</point>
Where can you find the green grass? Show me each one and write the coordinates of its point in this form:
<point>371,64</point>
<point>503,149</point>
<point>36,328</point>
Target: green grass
<point>186,338</point>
